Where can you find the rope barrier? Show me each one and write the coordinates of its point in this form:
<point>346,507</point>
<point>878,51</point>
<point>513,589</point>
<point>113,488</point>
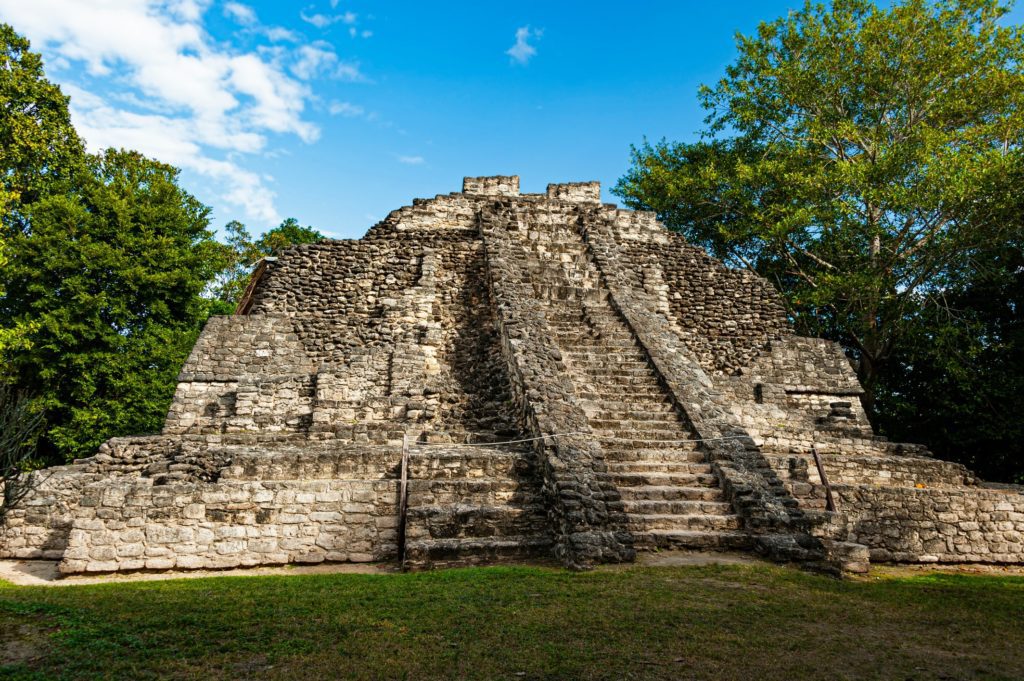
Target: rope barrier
<point>554,435</point>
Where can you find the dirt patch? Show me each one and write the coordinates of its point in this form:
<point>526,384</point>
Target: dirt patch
<point>22,643</point>
<point>45,573</point>
<point>676,558</point>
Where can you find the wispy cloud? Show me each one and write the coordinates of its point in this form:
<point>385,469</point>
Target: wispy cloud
<point>246,16</point>
<point>346,109</point>
<point>278,34</point>
<point>522,52</point>
<point>314,59</point>
<point>412,160</point>
<point>198,103</point>
<point>325,20</point>
<point>243,14</point>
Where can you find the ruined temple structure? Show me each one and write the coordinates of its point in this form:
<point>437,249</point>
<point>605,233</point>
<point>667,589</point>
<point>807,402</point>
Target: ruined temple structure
<point>490,375</point>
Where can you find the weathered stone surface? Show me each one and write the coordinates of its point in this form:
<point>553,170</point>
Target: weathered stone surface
<point>569,380</point>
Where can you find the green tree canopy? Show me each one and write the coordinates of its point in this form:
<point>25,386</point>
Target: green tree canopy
<point>855,156</point>
<point>244,252</point>
<point>111,276</point>
<point>38,145</point>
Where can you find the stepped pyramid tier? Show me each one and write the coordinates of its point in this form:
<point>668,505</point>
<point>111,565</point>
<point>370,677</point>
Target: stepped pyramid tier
<point>492,375</point>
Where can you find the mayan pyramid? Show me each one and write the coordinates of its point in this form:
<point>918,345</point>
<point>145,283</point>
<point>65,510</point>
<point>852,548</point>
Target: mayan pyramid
<point>493,375</point>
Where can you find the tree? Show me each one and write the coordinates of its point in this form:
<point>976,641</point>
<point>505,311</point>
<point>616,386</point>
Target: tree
<point>855,156</point>
<point>110,274</point>
<point>20,425</point>
<point>39,149</point>
<point>244,252</point>
<point>956,379</point>
<point>13,336</point>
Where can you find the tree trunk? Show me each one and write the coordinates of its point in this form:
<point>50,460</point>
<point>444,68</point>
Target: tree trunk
<point>867,373</point>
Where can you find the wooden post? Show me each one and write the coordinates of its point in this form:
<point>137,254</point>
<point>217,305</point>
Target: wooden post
<point>830,502</point>
<point>403,500</point>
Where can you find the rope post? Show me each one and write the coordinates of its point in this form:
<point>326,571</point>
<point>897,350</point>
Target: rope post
<point>830,502</point>
<point>403,500</point>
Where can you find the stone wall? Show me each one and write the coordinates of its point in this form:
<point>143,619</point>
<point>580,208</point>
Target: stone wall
<point>726,317</point>
<point>575,192</point>
<point>135,525</point>
<point>935,525</point>
<point>496,185</point>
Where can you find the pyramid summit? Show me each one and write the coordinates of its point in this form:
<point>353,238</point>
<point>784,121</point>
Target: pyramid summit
<point>489,375</point>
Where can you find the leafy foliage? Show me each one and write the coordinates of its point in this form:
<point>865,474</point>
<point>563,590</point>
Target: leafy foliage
<point>847,150</point>
<point>956,379</point>
<point>39,148</point>
<point>867,161</point>
<point>111,276</point>
<point>244,252</point>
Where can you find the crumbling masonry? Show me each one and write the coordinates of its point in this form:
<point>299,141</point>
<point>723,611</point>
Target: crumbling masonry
<point>543,376</point>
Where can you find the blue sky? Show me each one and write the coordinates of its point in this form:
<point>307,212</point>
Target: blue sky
<point>336,112</point>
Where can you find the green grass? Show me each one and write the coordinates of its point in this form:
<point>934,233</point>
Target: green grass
<point>741,622</point>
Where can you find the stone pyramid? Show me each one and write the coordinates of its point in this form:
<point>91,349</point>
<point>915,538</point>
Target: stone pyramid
<point>490,375</point>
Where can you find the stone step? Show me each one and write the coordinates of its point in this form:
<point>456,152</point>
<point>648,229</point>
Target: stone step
<point>653,455</point>
<point>599,392</point>
<point>483,491</point>
<point>647,438</point>
<point>670,493</point>
<point>699,521</point>
<point>676,507</point>
<point>451,552</point>
<point>619,443</point>
<point>666,422</point>
<point>554,250</point>
<point>646,417</point>
<point>595,342</point>
<point>695,468</point>
<point>555,288</point>
<point>613,409</point>
<point>689,539</point>
<point>450,521</point>
<point>613,382</point>
<point>586,327</point>
<point>440,462</point>
<point>680,479</point>
<point>604,355</point>
<point>643,372</point>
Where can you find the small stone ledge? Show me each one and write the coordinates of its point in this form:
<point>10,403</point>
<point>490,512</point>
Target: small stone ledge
<point>575,192</point>
<point>495,185</point>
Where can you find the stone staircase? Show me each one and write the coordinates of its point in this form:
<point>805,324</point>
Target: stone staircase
<point>670,494</point>
<point>472,505</point>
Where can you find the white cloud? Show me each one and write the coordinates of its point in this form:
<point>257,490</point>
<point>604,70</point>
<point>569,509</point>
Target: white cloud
<point>346,109</point>
<point>243,14</point>
<point>189,100</point>
<point>314,59</point>
<point>325,20</point>
<point>280,34</point>
<point>523,51</point>
<point>350,72</point>
<point>412,160</point>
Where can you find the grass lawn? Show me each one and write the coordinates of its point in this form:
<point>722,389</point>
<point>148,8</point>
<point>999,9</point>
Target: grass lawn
<point>735,622</point>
